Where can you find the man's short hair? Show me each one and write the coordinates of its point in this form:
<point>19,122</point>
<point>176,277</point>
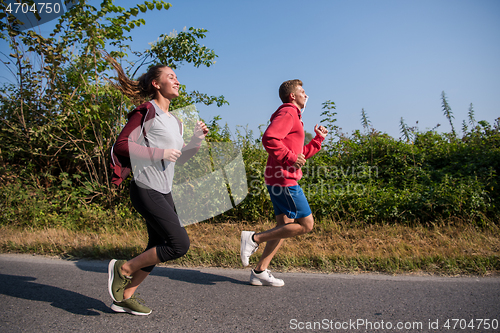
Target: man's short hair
<point>287,88</point>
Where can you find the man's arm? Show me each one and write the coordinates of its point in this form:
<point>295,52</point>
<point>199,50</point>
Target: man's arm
<point>272,139</point>
<point>315,145</point>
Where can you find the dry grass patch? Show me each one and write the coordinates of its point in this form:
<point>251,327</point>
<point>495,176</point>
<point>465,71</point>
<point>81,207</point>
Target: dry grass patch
<point>335,247</point>
<point>68,243</point>
<point>332,247</point>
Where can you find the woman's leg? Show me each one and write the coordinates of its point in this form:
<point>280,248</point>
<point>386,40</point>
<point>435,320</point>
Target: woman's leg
<point>133,268</point>
<point>167,238</point>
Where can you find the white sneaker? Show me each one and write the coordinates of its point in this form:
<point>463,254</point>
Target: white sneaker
<point>248,246</point>
<point>265,279</point>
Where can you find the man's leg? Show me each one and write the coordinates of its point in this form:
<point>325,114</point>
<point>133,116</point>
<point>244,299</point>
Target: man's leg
<point>250,241</point>
<point>286,200</point>
<point>300,226</point>
<point>286,228</point>
<point>272,246</point>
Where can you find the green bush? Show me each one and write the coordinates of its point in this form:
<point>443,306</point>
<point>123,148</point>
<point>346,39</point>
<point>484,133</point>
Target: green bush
<point>364,178</point>
<point>60,121</point>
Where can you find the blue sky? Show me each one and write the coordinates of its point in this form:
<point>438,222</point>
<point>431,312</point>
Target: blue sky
<point>392,58</point>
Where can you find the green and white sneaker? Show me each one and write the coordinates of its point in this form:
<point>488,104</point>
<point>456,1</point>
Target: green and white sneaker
<point>131,305</point>
<point>116,280</point>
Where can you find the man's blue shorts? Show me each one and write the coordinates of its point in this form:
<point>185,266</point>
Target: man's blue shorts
<point>289,200</point>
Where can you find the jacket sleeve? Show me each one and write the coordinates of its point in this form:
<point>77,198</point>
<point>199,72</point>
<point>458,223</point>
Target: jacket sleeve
<point>313,147</point>
<point>189,150</point>
<point>127,142</point>
<point>280,126</point>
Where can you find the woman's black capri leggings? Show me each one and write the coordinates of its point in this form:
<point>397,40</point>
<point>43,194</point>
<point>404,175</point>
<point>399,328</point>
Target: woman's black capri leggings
<point>165,231</point>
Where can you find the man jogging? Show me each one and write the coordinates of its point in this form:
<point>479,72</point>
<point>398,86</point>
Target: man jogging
<point>284,142</point>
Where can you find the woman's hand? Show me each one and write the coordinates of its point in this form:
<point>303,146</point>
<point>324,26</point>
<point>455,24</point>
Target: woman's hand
<point>200,130</point>
<point>171,154</point>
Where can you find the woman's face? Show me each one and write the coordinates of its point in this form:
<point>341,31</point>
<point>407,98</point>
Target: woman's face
<point>167,85</point>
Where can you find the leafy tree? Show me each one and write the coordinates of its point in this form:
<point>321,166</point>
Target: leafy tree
<point>62,116</point>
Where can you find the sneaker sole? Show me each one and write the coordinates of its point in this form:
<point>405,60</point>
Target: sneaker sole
<point>121,309</point>
<point>260,283</point>
<point>111,276</point>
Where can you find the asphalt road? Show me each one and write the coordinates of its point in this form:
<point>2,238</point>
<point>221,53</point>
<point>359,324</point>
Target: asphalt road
<point>39,294</point>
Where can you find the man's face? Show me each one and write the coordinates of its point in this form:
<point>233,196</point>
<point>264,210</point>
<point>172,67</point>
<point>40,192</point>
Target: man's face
<point>300,97</point>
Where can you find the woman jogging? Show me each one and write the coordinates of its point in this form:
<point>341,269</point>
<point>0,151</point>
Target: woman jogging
<point>150,144</point>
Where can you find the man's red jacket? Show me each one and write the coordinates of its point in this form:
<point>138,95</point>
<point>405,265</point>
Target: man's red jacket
<point>284,141</point>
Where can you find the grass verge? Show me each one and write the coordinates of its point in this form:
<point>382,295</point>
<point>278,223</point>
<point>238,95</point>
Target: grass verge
<point>446,249</point>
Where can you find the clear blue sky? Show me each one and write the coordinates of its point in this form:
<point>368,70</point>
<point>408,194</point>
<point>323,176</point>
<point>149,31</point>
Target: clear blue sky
<point>392,58</point>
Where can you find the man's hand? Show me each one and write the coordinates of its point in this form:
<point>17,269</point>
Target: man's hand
<point>299,163</point>
<point>321,130</point>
